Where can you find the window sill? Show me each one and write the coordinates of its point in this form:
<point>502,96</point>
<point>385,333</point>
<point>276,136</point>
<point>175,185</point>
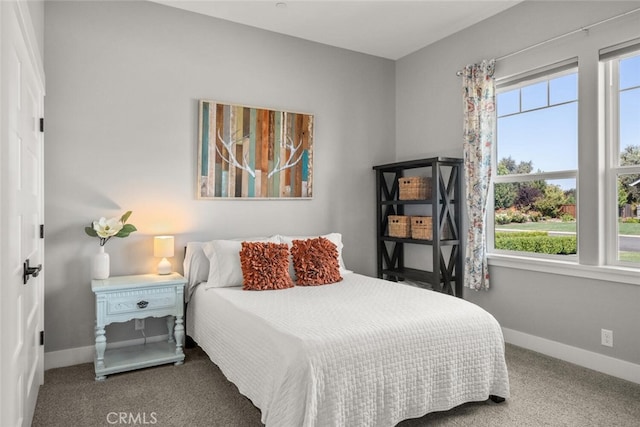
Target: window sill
<point>566,268</point>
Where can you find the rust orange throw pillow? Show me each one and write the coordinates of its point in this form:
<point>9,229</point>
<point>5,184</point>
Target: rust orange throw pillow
<point>265,266</point>
<point>315,261</point>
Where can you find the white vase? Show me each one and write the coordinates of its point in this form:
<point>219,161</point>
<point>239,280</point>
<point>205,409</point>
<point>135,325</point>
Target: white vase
<point>101,264</point>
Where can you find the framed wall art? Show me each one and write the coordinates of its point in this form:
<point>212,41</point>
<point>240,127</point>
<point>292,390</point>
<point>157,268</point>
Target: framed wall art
<point>254,153</point>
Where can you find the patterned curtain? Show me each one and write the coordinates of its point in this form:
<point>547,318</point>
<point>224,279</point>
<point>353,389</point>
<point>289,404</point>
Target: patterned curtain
<point>479,135</point>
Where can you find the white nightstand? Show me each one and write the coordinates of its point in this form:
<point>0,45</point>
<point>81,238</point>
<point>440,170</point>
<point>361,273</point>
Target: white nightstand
<point>123,298</point>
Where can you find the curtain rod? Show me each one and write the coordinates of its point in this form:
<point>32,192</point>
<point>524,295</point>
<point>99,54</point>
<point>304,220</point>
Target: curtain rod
<point>561,36</point>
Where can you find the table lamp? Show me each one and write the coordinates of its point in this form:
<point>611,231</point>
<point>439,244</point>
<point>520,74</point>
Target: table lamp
<point>163,247</point>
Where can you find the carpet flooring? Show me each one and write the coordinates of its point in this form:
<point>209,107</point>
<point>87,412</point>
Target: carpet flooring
<point>544,392</point>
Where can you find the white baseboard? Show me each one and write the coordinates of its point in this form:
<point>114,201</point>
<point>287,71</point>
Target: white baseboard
<point>78,355</point>
<point>588,359</point>
<point>68,357</point>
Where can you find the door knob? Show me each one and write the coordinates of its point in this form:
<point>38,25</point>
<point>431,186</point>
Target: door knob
<point>27,271</point>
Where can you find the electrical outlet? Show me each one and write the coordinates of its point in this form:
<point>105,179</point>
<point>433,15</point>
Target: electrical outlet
<point>139,324</point>
<point>607,337</point>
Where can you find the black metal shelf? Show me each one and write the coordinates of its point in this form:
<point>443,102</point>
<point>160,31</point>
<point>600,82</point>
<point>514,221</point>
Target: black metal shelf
<point>396,275</point>
<point>409,273</point>
<point>406,202</point>
<point>421,163</point>
<point>409,202</point>
<point>446,182</point>
<point>443,242</point>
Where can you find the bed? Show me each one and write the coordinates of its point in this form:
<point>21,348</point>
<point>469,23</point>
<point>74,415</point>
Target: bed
<point>362,351</point>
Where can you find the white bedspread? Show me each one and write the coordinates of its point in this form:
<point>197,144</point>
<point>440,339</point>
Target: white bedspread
<point>362,352</point>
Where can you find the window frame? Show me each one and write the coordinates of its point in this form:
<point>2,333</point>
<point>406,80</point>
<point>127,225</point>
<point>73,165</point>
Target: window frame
<point>611,67</point>
<point>545,73</point>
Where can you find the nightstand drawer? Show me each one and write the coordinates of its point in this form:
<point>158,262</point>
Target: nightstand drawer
<point>140,300</point>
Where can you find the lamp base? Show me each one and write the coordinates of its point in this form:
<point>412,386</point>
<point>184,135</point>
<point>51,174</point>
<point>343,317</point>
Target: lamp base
<point>164,267</point>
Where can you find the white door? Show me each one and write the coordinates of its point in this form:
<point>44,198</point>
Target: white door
<point>21,184</point>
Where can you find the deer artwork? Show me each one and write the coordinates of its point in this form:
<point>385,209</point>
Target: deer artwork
<point>292,154</point>
<point>231,158</point>
<point>251,152</point>
<point>293,158</point>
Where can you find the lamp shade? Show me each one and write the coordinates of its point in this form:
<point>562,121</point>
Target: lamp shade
<point>163,246</point>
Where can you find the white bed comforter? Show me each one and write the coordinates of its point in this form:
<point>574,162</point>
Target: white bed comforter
<point>362,352</point>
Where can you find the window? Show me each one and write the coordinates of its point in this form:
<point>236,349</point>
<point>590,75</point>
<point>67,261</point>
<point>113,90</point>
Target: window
<point>623,175</point>
<point>536,163</point>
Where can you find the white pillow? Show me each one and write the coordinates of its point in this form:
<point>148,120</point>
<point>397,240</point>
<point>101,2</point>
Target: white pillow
<point>335,238</point>
<point>195,265</point>
<point>224,261</point>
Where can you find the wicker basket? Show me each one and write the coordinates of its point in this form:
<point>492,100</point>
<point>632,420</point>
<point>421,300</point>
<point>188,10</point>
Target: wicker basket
<point>399,226</point>
<point>422,228</point>
<point>414,188</point>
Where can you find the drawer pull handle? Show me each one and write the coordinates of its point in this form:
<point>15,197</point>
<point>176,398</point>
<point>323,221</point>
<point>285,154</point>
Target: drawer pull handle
<point>143,304</point>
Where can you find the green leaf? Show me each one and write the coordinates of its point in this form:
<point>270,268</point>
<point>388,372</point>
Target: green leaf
<point>90,231</point>
<point>125,216</point>
<point>129,228</point>
<point>126,230</point>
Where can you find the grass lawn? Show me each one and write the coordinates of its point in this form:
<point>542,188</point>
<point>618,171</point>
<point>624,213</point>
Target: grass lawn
<point>629,256</point>
<point>569,227</point>
<point>541,226</point>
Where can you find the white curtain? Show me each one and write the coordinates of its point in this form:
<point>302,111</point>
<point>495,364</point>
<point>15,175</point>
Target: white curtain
<point>479,136</point>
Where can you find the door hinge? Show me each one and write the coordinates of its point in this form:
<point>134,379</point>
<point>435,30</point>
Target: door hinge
<point>41,124</point>
<point>41,337</point>
<point>42,231</point>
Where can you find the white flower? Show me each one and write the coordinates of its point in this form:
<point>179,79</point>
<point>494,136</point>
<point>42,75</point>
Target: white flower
<point>106,228</point>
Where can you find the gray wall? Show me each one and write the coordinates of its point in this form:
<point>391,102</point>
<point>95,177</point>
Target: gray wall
<point>561,308</point>
<point>123,81</point>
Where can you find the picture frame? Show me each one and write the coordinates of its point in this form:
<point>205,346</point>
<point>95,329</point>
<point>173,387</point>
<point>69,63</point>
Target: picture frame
<point>249,152</point>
